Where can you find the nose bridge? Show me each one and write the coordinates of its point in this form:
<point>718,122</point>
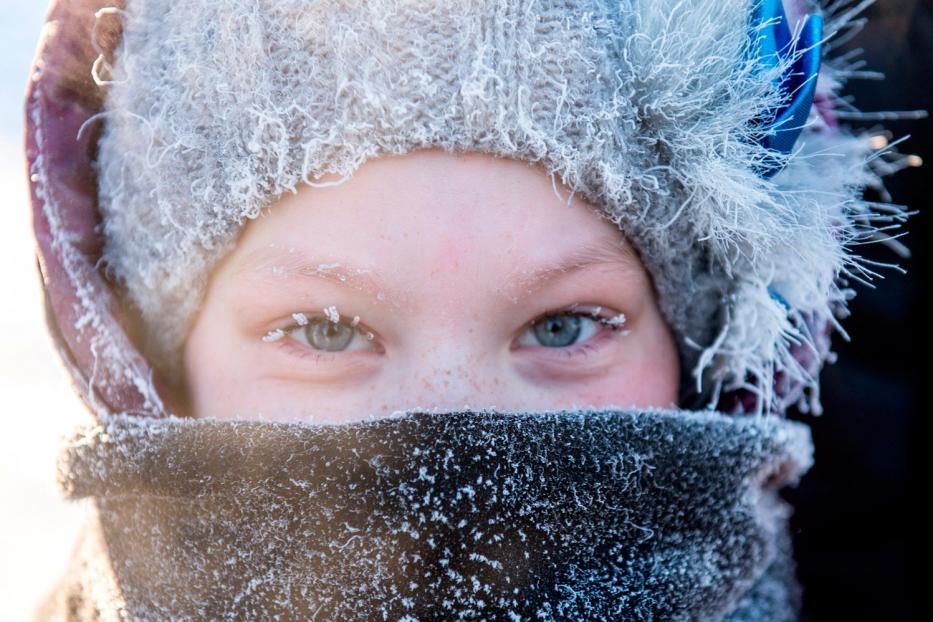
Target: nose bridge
<point>448,362</point>
<point>449,370</point>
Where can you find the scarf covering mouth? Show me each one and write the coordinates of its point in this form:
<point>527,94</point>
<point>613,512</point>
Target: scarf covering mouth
<point>557,515</point>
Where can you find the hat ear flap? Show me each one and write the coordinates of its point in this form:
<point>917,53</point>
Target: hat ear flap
<point>780,128</point>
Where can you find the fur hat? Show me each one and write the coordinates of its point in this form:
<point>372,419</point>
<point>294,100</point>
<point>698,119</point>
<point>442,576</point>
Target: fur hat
<point>679,120</point>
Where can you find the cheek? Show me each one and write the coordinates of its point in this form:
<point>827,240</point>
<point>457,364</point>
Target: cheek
<point>649,375</point>
<point>214,385</point>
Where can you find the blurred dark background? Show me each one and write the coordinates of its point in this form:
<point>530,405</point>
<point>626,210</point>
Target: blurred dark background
<point>859,523</point>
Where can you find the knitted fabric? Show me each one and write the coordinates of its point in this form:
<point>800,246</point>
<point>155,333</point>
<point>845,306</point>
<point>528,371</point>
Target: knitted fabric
<point>564,515</point>
<point>649,109</point>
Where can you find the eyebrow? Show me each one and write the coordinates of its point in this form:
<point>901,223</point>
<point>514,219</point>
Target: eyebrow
<point>603,252</point>
<point>292,263</point>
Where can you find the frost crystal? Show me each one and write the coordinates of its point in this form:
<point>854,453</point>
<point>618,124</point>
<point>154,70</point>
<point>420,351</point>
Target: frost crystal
<point>331,313</point>
<point>273,335</point>
<point>300,318</point>
<point>617,320</point>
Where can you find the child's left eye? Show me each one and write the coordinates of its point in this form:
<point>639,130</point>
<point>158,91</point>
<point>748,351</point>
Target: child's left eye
<point>562,329</point>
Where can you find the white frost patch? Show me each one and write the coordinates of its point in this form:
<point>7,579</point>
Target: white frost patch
<point>489,562</point>
<point>273,335</point>
<point>616,323</point>
<point>618,320</point>
<point>356,320</point>
<point>300,318</point>
<point>331,313</point>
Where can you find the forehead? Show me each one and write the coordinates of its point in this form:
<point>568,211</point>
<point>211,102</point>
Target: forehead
<point>430,215</point>
<point>289,264</point>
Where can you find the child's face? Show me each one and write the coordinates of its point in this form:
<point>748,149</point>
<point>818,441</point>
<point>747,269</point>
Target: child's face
<point>429,264</point>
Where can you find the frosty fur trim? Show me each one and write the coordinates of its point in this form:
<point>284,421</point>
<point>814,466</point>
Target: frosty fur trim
<point>647,108</point>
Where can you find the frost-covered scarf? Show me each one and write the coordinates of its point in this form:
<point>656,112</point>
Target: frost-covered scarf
<point>560,515</point>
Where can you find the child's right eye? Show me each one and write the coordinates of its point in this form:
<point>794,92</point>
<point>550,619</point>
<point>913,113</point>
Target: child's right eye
<point>322,333</point>
<point>321,336</point>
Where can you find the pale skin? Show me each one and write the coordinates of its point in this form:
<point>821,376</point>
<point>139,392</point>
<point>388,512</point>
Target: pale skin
<point>427,280</point>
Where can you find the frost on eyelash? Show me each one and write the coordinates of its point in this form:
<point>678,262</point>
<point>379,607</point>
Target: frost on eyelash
<point>300,318</point>
<point>331,313</point>
<point>273,335</point>
<point>356,320</point>
<point>617,320</point>
<point>616,323</point>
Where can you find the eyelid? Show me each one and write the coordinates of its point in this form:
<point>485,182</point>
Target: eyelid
<point>310,315</point>
<point>613,320</point>
<point>358,325</point>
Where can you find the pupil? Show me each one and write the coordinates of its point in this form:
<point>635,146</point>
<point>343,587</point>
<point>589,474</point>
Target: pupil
<point>326,335</point>
<point>558,331</point>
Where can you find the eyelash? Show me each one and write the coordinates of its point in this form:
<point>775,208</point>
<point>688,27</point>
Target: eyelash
<point>571,352</point>
<point>305,352</point>
<point>591,345</point>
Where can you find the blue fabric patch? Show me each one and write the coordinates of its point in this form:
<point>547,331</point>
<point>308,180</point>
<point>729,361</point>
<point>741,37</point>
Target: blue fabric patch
<point>780,128</point>
<point>776,296</point>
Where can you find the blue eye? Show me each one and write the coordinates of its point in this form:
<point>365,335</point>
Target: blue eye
<point>558,331</point>
<point>567,328</point>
